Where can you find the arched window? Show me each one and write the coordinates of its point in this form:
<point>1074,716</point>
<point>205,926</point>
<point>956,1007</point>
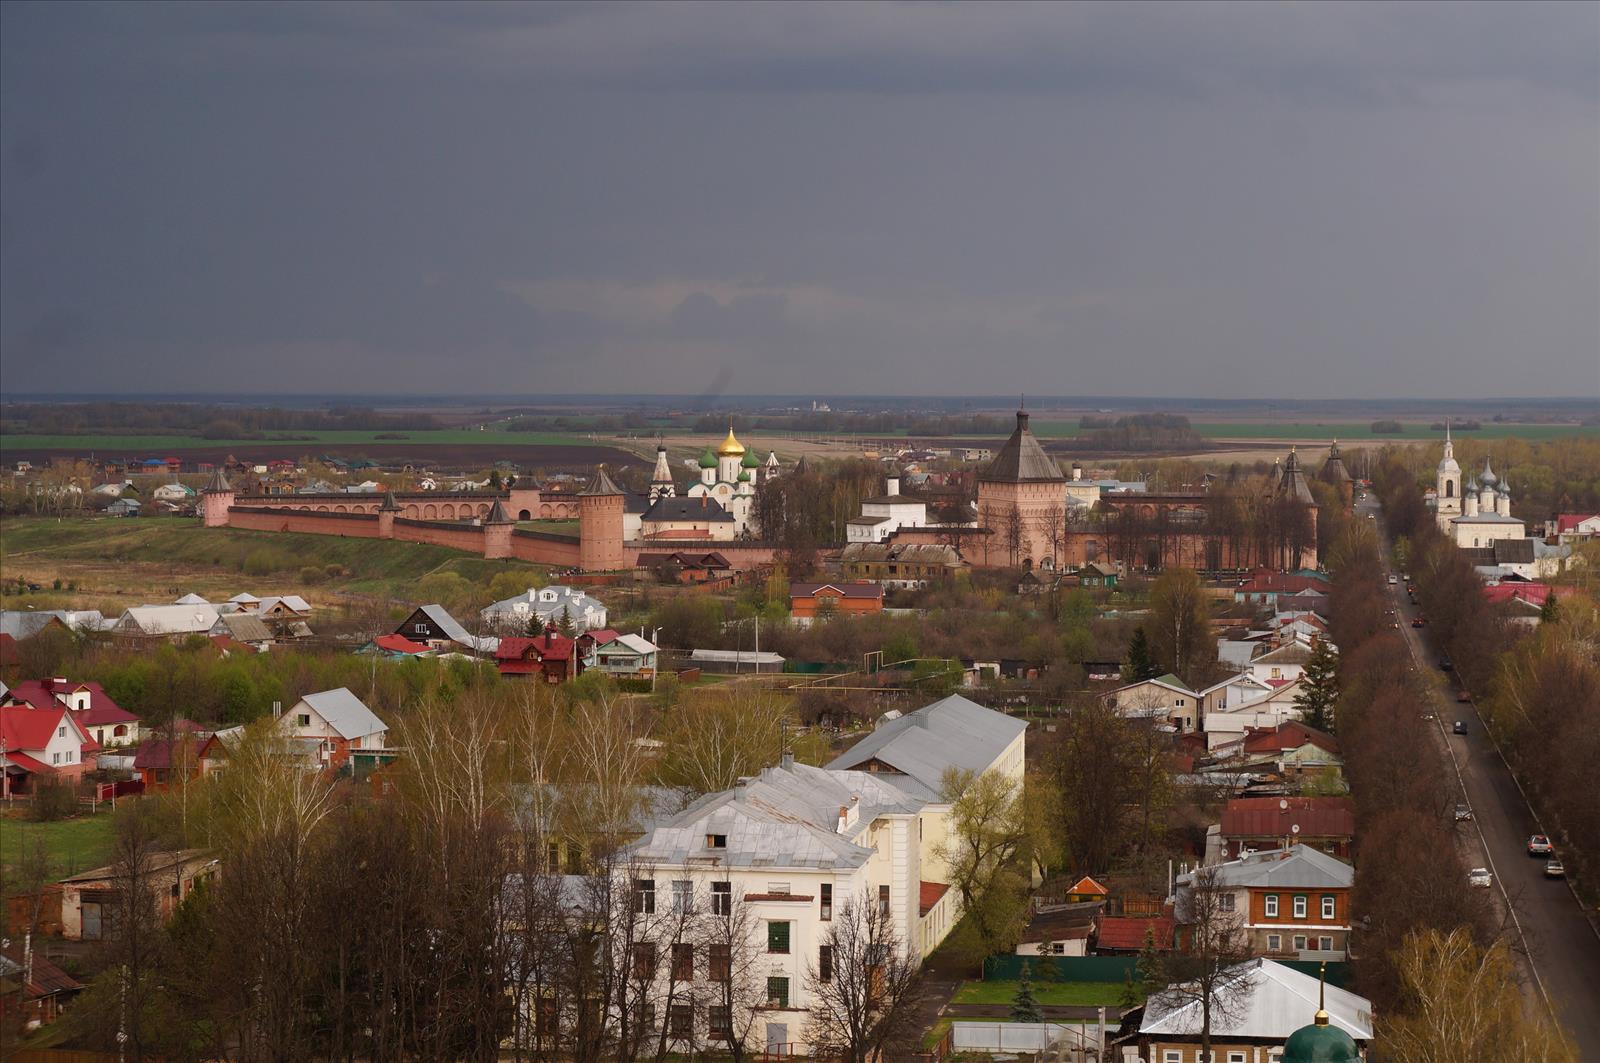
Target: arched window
<point>1449,489</point>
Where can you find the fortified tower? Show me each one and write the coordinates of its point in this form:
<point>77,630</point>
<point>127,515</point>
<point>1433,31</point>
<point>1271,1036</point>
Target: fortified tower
<point>497,532</point>
<point>1020,494</point>
<point>600,525</point>
<point>215,500</point>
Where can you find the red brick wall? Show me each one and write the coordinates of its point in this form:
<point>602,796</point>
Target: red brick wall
<point>311,523</point>
<point>544,551</point>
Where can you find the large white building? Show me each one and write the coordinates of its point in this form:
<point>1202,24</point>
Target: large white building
<point>547,605</point>
<point>885,514</point>
<point>796,844</point>
<point>729,476</point>
<point>1485,516</point>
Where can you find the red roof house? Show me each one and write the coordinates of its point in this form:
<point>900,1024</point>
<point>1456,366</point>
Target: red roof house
<point>1125,934</point>
<point>40,744</point>
<point>554,658</point>
<point>162,761</point>
<point>103,720</point>
<point>1260,823</point>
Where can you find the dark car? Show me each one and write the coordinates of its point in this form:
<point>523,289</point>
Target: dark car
<point>1460,728</point>
<point>1445,665</point>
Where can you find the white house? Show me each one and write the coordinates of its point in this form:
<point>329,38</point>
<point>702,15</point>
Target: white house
<point>1165,698</point>
<point>1282,665</point>
<point>339,721</point>
<point>883,515</point>
<point>548,604</point>
<point>796,843</point>
<point>167,620</point>
<point>173,492</point>
<point>1225,726</point>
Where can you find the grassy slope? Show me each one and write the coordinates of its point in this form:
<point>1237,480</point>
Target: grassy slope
<point>74,844</point>
<point>101,550</point>
<point>1086,994</point>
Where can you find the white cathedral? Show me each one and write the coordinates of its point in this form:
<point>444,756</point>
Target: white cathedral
<point>1477,513</point>
<point>728,476</point>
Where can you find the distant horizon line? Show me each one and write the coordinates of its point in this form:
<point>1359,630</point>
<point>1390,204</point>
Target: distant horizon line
<point>993,401</point>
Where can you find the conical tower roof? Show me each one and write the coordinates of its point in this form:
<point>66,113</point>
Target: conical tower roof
<point>1293,482</point>
<point>1022,459</point>
<point>498,514</point>
<point>602,484</point>
<point>1333,470</point>
<point>390,505</point>
<point>218,484</point>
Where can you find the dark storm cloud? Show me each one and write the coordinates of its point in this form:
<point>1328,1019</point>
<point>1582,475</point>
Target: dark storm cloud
<point>1213,199</point>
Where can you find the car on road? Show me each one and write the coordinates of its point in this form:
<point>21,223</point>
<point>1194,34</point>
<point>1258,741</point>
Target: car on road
<point>1446,665</point>
<point>1463,812</point>
<point>1539,845</point>
<point>1419,621</point>
<point>1460,728</point>
<point>1480,877</point>
<point>1462,697</point>
<point>1392,580</point>
<point>1553,869</point>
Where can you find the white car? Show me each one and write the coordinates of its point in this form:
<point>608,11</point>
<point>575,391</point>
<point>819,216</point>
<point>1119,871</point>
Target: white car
<point>1479,876</point>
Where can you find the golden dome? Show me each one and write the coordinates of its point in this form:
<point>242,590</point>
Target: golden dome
<point>731,447</point>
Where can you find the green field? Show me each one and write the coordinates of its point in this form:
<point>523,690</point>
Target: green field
<point>1084,994</point>
<point>1346,430</point>
<point>110,555</point>
<point>74,845</point>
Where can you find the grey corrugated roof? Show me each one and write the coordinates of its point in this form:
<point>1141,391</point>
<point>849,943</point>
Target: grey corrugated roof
<point>246,627</point>
<point>684,507</point>
<point>1279,1001</point>
<point>1022,459</point>
<point>950,733</point>
<point>1289,653</point>
<point>1304,868</point>
<point>345,713</point>
<point>783,818</point>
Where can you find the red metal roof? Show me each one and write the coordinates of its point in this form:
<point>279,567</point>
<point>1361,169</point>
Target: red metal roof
<point>399,644</point>
<point>928,895</point>
<point>1087,885</point>
<point>47,694</point>
<point>1565,522</point>
<point>24,727</point>
<point>1261,817</point>
<point>540,648</point>
<point>1128,932</point>
<point>518,667</point>
<point>1528,592</point>
<point>22,760</point>
<point>1291,735</point>
<point>8,648</point>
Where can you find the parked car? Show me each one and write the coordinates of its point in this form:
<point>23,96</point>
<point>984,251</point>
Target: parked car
<point>1446,665</point>
<point>1419,621</point>
<point>1479,876</point>
<point>1463,812</point>
<point>1460,728</point>
<point>1539,845</point>
<point>1553,869</point>
<point>1463,697</point>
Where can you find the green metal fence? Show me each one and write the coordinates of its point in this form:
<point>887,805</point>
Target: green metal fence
<point>1008,968</point>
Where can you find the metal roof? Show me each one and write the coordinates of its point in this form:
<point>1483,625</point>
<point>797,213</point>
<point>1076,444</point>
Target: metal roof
<point>951,733</point>
<point>1274,1001</point>
<point>345,713</point>
<point>1021,458</point>
<point>1299,867</point>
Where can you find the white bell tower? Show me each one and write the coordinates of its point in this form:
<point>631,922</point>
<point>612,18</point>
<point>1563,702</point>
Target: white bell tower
<point>1449,483</point>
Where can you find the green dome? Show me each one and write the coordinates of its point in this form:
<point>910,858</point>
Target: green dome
<point>1320,1043</point>
<point>708,460</point>
<point>750,461</point>
<point>744,477</point>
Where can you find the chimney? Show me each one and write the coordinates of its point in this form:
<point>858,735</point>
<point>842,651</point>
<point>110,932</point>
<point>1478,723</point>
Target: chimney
<point>788,761</point>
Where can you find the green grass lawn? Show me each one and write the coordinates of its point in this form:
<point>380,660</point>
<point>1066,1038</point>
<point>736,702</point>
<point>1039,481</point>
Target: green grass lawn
<point>74,845</point>
<point>1085,994</point>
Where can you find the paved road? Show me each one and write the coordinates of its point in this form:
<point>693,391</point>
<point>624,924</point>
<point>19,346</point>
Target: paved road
<point>1563,957</point>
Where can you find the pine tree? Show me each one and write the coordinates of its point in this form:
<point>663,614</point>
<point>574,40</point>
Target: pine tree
<point>1549,612</point>
<point>1138,666</point>
<point>1319,687</point>
<point>564,626</point>
<point>1024,1008</point>
<point>1149,967</point>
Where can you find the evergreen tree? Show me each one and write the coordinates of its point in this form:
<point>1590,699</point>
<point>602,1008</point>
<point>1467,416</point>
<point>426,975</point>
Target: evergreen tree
<point>1138,666</point>
<point>1549,612</point>
<point>494,479</point>
<point>564,626</point>
<point>1024,1008</point>
<point>1319,687</point>
<point>1149,967</point>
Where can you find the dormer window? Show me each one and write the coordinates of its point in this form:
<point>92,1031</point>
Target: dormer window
<point>716,841</point>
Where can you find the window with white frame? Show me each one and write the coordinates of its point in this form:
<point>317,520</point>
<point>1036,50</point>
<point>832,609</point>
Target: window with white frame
<point>1328,907</point>
<point>1271,903</point>
<point>1226,902</point>
<point>1299,942</point>
<point>1325,943</point>
<point>1300,907</point>
<point>1236,1057</point>
<point>1274,942</point>
<point>1170,1056</point>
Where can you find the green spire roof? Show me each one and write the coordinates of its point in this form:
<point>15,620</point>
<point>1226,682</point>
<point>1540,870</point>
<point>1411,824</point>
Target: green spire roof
<point>750,461</point>
<point>708,460</point>
<point>1320,1043</point>
<point>744,477</point>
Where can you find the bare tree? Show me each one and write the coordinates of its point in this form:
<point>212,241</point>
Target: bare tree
<point>715,737</point>
<point>1205,972</point>
<point>864,995</point>
<point>1053,522</point>
<point>737,987</point>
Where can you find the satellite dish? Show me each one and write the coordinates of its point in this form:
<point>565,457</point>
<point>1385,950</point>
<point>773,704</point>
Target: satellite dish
<point>1295,829</point>
<point>1283,805</point>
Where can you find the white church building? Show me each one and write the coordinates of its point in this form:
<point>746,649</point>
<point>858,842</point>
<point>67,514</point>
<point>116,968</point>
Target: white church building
<point>1477,513</point>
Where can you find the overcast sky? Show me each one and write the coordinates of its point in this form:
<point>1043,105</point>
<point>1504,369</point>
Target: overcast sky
<point>1306,199</point>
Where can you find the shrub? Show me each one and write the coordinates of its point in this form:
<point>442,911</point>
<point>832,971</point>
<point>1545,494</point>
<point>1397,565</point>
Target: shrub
<point>53,801</point>
<point>312,574</point>
<point>261,563</point>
